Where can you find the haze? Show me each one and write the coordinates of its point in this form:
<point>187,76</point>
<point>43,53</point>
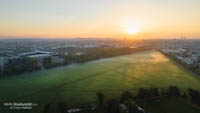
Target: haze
<point>100,18</point>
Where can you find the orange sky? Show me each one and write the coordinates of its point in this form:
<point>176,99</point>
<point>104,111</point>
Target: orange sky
<point>105,18</point>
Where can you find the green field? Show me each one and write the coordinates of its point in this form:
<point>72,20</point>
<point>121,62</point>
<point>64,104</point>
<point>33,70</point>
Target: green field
<point>78,83</point>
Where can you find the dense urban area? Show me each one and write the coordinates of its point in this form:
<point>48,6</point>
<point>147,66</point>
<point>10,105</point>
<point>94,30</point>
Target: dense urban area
<point>186,52</point>
<point>21,55</point>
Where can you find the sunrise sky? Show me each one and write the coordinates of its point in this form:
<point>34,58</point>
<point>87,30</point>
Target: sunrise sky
<point>100,18</point>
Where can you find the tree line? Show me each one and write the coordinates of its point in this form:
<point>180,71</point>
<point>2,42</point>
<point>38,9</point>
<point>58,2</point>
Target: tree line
<point>26,64</point>
<point>98,53</point>
<point>19,66</point>
<point>127,102</point>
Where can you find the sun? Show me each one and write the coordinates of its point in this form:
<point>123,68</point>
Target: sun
<point>130,27</point>
<point>132,30</point>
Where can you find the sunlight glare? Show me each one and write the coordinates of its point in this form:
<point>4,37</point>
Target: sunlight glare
<point>132,30</point>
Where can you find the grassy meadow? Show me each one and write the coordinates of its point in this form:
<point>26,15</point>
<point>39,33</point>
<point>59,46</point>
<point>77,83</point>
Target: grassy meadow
<point>78,83</point>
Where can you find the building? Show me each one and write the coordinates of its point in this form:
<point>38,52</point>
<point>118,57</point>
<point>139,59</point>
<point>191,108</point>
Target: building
<point>38,54</point>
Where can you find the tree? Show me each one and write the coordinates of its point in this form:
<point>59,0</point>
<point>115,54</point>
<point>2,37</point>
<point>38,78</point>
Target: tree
<point>141,93</point>
<point>195,96</point>
<point>8,70</point>
<point>100,97</point>
<point>155,91</point>
<point>144,93</point>
<point>163,91</point>
<point>47,62</point>
<point>185,95</point>
<point>132,107</point>
<point>46,108</point>
<point>1,71</point>
<point>125,96</point>
<point>173,91</point>
<point>62,107</point>
<point>112,106</point>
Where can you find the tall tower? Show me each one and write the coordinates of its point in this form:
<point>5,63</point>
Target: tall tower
<point>124,39</point>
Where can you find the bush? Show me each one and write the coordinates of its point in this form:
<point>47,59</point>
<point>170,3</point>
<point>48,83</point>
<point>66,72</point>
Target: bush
<point>101,98</point>
<point>62,107</point>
